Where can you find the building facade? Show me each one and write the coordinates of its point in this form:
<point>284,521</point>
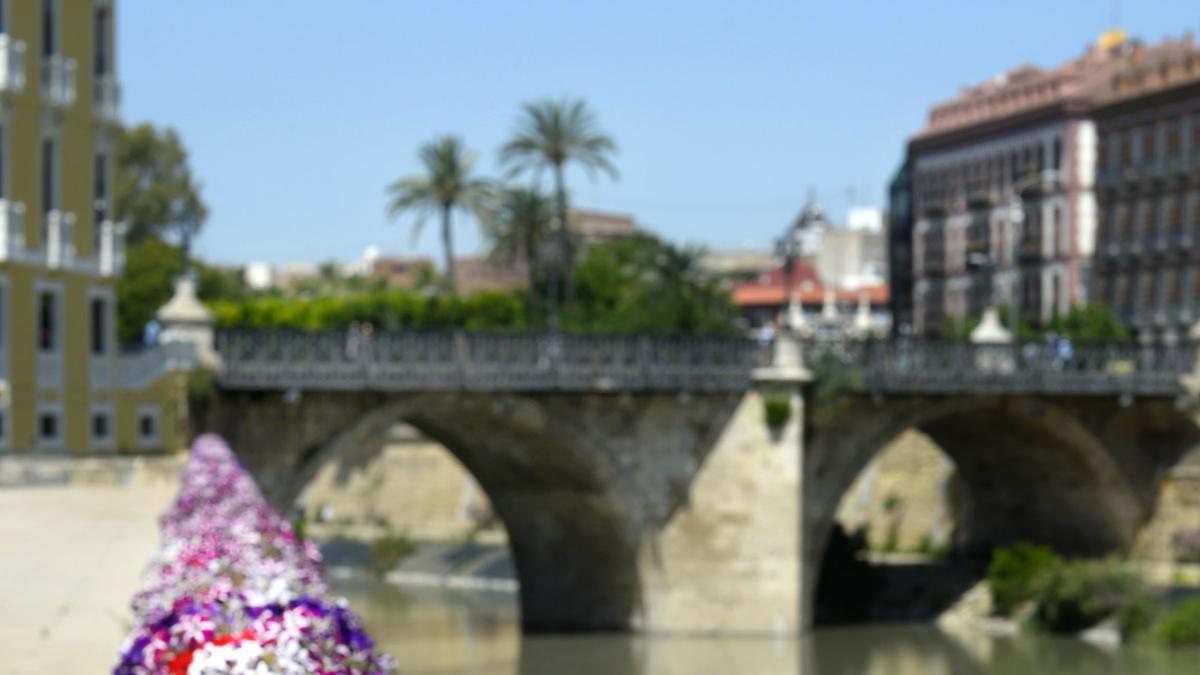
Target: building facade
<point>1003,192</point>
<point>899,251</point>
<point>1148,259</point>
<point>62,387</point>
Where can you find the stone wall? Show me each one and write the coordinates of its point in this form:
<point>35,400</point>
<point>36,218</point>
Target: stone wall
<point>1178,509</point>
<point>902,497</point>
<point>414,484</point>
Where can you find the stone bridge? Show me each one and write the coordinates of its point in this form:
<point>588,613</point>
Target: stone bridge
<point>641,486</point>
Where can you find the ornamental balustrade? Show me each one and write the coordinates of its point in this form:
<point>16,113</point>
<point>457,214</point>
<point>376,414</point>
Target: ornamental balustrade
<point>1035,368</point>
<point>483,361</point>
<point>411,361</point>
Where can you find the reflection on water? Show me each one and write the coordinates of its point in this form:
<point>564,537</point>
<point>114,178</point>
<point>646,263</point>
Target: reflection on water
<point>478,633</point>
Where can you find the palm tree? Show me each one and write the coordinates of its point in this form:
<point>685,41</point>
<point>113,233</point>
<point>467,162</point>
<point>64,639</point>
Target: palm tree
<point>551,134</point>
<point>518,225</point>
<point>445,185</point>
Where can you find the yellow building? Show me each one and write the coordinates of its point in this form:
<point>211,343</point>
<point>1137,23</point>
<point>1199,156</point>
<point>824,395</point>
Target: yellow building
<point>63,385</point>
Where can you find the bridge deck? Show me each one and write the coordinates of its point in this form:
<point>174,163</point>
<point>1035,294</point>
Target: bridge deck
<point>562,362</point>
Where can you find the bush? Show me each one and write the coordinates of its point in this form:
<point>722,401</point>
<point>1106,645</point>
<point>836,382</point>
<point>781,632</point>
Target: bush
<point>1079,594</point>
<point>777,407</point>
<point>387,551</point>
<point>1181,626</point>
<point>1014,572</point>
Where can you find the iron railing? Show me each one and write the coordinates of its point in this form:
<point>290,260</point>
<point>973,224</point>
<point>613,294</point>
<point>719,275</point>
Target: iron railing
<point>959,367</point>
<point>413,361</point>
<point>483,361</point>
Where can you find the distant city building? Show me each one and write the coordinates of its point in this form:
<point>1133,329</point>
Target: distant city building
<point>483,273</point>
<point>899,245</point>
<point>596,226</point>
<point>826,309</point>
<point>838,276</point>
<point>259,276</point>
<point>1148,256</point>
<point>401,272</point>
<point>736,266</point>
<point>1002,185</point>
<point>844,257</point>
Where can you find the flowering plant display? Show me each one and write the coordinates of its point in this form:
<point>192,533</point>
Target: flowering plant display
<point>232,589</point>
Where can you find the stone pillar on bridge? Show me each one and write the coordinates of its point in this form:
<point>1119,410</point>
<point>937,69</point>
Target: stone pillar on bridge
<point>184,319</point>
<point>994,340</point>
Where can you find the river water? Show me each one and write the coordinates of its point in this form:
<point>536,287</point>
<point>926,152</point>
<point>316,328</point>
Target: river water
<point>433,631</point>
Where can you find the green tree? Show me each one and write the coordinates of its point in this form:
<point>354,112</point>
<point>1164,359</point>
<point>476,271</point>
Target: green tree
<point>642,284</point>
<point>151,267</point>
<point>148,281</point>
<point>156,193</point>
<point>1090,323</point>
<point>552,134</point>
<point>445,185</point>
<point>516,229</point>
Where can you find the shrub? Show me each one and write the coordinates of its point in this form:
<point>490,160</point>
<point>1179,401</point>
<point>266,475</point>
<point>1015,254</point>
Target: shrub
<point>387,551</point>
<point>777,407</point>
<point>1014,572</point>
<point>1181,626</point>
<point>1079,594</point>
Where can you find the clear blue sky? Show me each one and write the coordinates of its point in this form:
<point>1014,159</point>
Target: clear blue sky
<point>298,113</point>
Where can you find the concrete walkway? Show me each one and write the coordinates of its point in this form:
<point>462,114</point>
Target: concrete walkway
<point>70,560</point>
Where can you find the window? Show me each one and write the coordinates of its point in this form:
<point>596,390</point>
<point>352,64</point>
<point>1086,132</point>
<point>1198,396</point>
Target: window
<point>1148,144</point>
<point>1057,150</point>
<point>1146,289</point>
<point>49,184</point>
<point>102,426</point>
<point>3,163</point>
<point>1174,138</point>
<point>49,426</point>
<point>99,200</point>
<point>100,40</point>
<point>147,425</point>
<point>3,424</point>
<point>99,324</point>
<point>3,17</point>
<point>49,47</point>
<point>1056,231</point>
<point>47,321</point>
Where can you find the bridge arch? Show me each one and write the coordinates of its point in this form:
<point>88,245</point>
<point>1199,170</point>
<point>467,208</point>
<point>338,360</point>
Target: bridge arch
<point>578,499</point>
<point>1078,473</point>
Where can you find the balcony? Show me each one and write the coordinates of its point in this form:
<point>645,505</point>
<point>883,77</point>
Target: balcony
<point>111,256</point>
<point>1030,251</point>
<point>12,64</point>
<point>58,81</point>
<point>12,229</point>
<point>107,104</point>
<point>59,238</point>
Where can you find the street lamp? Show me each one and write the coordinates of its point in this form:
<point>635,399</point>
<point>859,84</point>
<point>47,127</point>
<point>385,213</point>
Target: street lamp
<point>788,247</point>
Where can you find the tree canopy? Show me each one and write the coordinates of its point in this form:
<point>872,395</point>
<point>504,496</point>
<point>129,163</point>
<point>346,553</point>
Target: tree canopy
<point>642,284</point>
<point>550,134</point>
<point>446,184</point>
<point>156,193</point>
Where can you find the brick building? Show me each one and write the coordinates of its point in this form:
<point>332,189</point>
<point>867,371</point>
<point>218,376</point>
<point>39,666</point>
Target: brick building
<point>1148,258</point>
